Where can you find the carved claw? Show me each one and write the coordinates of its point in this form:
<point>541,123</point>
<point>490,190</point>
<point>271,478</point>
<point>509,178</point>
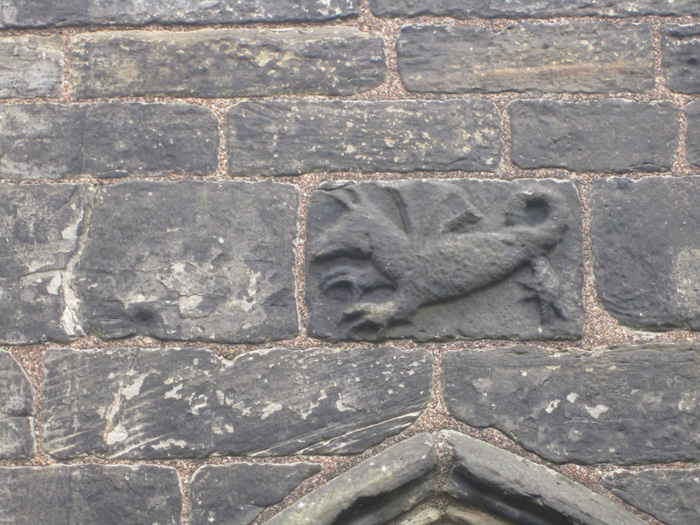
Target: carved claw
<point>374,317</point>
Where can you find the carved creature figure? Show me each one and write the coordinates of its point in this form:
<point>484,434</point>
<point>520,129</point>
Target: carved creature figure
<point>386,263</point>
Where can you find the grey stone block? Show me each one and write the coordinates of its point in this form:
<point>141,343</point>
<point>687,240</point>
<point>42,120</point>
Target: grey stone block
<point>376,491</point>
<point>190,260</point>
<point>571,58</point>
<point>77,494</point>
<point>534,8</point>
<point>30,13</point>
<point>610,136</point>
<point>292,138</point>
<point>236,494</point>
<point>16,410</point>
<point>224,63</point>
<point>107,140</point>
<point>31,66</point>
<point>520,491</point>
<point>680,46</point>
<point>437,260</point>
<point>40,226</point>
<point>627,405</point>
<point>672,496</point>
<point>646,250</point>
<point>692,112</point>
<point>187,403</point>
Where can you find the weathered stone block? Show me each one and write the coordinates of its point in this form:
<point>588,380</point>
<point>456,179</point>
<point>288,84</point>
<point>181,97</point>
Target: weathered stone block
<point>31,66</point>
<point>190,260</point>
<point>188,403</point>
<point>534,8</point>
<point>646,250</point>
<point>571,58</point>
<point>436,260</point>
<point>692,112</point>
<point>107,140</point>
<point>16,410</point>
<point>611,136</point>
<point>39,230</point>
<point>227,63</point>
<point>109,495</point>
<point>626,405</point>
<point>238,493</point>
<point>292,138</point>
<point>30,13</point>
<point>672,496</point>
<point>681,57</point>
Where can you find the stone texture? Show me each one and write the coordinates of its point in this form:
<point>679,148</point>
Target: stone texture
<point>376,491</point>
<point>672,496</point>
<point>16,410</point>
<point>534,8</point>
<point>292,138</point>
<point>76,494</point>
<point>40,226</point>
<point>30,13</point>
<point>610,136</point>
<point>437,260</point>
<point>692,111</point>
<point>31,66</point>
<point>224,63</point>
<point>521,491</point>
<point>190,260</point>
<point>107,140</point>
<point>571,58</point>
<point>646,250</point>
<point>625,405</point>
<point>188,403</point>
<point>681,57</point>
<point>236,494</point>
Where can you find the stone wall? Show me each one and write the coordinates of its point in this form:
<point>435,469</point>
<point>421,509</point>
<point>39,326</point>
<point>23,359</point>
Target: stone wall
<point>350,261</point>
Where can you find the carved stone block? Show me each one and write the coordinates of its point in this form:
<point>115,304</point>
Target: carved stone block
<point>438,260</point>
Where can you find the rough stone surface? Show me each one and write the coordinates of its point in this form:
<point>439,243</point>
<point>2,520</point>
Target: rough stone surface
<point>188,403</point>
<point>227,62</point>
<point>436,260</point>
<point>236,494</point>
<point>376,491</point>
<point>681,57</point>
<point>534,8</point>
<point>610,136</point>
<point>571,58</point>
<point>76,494</point>
<point>519,490</point>
<point>672,496</point>
<point>646,250</point>
<point>16,410</point>
<point>39,230</point>
<point>190,260</point>
<point>692,111</point>
<point>30,13</point>
<point>31,66</point>
<point>626,405</point>
<point>292,138</point>
<point>107,140</point>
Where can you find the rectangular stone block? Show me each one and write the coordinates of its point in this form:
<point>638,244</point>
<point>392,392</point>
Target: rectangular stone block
<point>107,140</point>
<point>564,58</point>
<point>148,404</point>
<point>224,63</point>
<point>534,8</point>
<point>31,66</point>
<point>30,13</point>
<point>692,114</point>
<point>16,410</point>
<point>680,45</point>
<point>646,250</point>
<point>109,495</point>
<point>190,260</point>
<point>296,137</point>
<point>626,405</point>
<point>609,136</point>
<point>438,260</point>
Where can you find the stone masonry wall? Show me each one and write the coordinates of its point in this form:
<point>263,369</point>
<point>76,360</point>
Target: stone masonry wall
<point>350,261</point>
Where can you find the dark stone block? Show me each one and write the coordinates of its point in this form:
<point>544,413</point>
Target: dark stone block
<point>16,410</point>
<point>692,112</point>
<point>681,57</point>
<point>32,66</point>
